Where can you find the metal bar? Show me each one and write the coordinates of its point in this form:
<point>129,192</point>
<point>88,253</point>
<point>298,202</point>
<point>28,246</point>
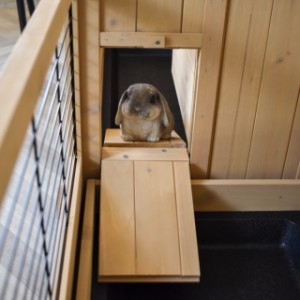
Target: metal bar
<point>21,14</point>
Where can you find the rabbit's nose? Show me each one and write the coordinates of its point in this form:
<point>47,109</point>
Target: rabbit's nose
<point>137,108</point>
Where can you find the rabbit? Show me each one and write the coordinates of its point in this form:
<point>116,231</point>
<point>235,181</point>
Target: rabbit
<point>144,114</point>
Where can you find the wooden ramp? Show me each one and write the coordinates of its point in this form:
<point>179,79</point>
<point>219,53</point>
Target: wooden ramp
<point>147,227</point>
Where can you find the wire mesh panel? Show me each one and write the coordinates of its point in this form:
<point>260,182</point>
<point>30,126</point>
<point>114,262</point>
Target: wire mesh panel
<point>34,214</point>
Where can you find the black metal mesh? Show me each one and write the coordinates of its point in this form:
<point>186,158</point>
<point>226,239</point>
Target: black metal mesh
<point>34,214</point>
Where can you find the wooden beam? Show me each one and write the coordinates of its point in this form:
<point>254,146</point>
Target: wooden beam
<point>67,276</point>
<point>246,195</point>
<point>150,40</point>
<point>91,61</point>
<point>22,79</point>
<point>207,86</point>
<point>84,280</point>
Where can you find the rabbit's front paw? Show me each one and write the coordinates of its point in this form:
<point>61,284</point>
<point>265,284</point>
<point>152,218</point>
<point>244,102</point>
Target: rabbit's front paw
<point>152,138</point>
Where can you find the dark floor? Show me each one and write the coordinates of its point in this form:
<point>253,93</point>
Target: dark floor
<point>253,256</point>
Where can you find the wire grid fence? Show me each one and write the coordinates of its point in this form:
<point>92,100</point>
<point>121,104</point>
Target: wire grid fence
<point>34,214</point>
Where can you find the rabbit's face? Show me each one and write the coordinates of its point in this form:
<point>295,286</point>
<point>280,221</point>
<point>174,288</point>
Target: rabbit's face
<point>141,101</point>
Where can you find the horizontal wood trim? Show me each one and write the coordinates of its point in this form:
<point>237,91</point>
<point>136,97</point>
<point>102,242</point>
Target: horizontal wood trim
<point>71,238</point>
<point>159,154</point>
<point>84,280</point>
<point>22,79</point>
<point>150,40</point>
<point>145,279</point>
<point>246,195</point>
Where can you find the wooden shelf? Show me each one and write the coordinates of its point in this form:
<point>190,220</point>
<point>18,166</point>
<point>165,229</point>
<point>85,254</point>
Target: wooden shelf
<point>147,227</point>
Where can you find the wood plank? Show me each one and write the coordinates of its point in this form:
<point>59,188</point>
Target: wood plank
<point>246,39</point>
<point>117,219</point>
<point>292,161</point>
<point>68,267</point>
<point>35,47</point>
<point>186,222</point>
<point>150,40</point>
<point>159,16</point>
<point>91,72</point>
<point>150,279</point>
<point>84,280</point>
<point>113,139</point>
<point>278,93</point>
<point>207,87</point>
<point>246,195</point>
<point>118,15</point>
<point>159,154</point>
<point>156,221</point>
<point>193,11</point>
<point>184,71</point>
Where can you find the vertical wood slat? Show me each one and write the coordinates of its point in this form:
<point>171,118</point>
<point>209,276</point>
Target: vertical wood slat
<point>91,72</point>
<point>278,94</point>
<point>246,39</point>
<point>118,15</point>
<point>186,224</point>
<point>207,87</point>
<point>117,219</point>
<point>292,163</point>
<point>156,227</point>
<point>84,280</point>
<point>184,69</point>
<point>192,17</point>
<point>159,16</point>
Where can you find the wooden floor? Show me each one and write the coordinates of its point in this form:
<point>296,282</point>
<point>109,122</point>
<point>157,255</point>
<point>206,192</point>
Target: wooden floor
<point>9,29</point>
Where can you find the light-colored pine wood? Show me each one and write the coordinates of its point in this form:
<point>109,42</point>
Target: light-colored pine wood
<point>246,195</point>
<point>186,224</point>
<point>113,139</point>
<point>246,39</point>
<point>68,267</point>
<point>91,73</point>
<point>129,153</point>
<point>278,93</point>
<point>157,240</point>
<point>184,70</point>
<point>292,162</point>
<point>192,18</point>
<point>117,219</point>
<point>118,15</point>
<point>35,47</point>
<point>84,280</point>
<point>150,40</point>
<point>207,87</point>
<point>159,16</point>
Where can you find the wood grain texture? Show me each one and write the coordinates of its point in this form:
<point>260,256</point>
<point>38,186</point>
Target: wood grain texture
<point>184,71</point>
<point>244,50</point>
<point>192,19</point>
<point>150,40</point>
<point>278,93</point>
<point>246,195</point>
<point>117,219</point>
<point>159,16</point>
<point>186,224</point>
<point>68,267</point>
<point>118,15</point>
<point>84,280</point>
<point>91,72</point>
<point>156,221</point>
<point>207,87</point>
<point>292,162</point>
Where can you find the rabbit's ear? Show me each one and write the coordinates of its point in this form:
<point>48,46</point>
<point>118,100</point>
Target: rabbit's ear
<point>168,118</point>
<point>119,115</point>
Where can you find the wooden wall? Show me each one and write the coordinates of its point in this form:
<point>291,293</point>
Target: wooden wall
<point>246,113</point>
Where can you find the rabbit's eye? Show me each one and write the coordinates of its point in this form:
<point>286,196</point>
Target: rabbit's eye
<point>152,99</point>
<point>125,95</point>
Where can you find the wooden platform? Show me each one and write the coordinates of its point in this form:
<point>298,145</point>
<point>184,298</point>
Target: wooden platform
<point>147,228</point>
